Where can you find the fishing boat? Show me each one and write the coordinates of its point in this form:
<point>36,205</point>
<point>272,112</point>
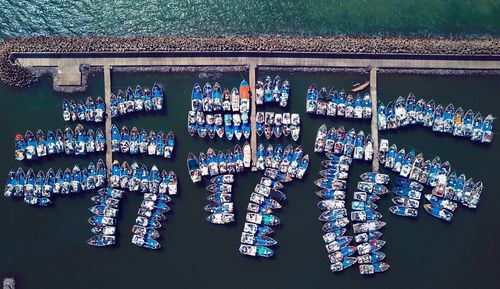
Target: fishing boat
<point>228,126</point>
<point>390,115</point>
<point>368,148</point>
<point>381,116</point>
<point>331,226</point>
<point>487,129</point>
<point>244,96</point>
<point>360,86</point>
<point>319,144</point>
<point>284,93</point>
<point>251,239</point>
<point>219,207</point>
<point>404,211</point>
<point>438,212</point>
<point>145,241</point>
<point>362,216</point>
<point>235,100</point>
<point>468,123</point>
<point>295,126</point>
<point>373,268</point>
<point>375,178</point>
<point>441,202</point>
<point>345,263</point>
<point>448,118</point>
<point>264,219</point>
<point>260,123</point>
<point>221,218</point>
<point>311,99</point>
<point>193,168</point>
<point>406,202</point>
<point>102,240</point>
<point>256,251</point>
<point>247,155</point>
<point>458,122</point>
<point>368,226</point>
<point>219,198</point>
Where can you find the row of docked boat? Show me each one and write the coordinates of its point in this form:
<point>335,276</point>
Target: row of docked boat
<point>272,91</point>
<point>235,125</point>
<point>78,142</point>
<point>150,215</point>
<point>79,111</point>
<point>435,173</point>
<point>220,200</point>
<point>367,221</point>
<point>105,217</point>
<point>338,103</point>
<point>272,124</point>
<point>215,99</point>
<point>406,198</point>
<point>404,112</point>
<point>213,163</point>
<point>333,212</point>
<point>38,188</point>
<point>137,141</point>
<point>255,239</point>
<point>136,100</point>
<point>337,141</point>
<point>287,163</point>
<point>137,178</point>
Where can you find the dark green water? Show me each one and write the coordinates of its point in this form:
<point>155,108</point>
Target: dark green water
<point>46,248</point>
<point>290,17</point>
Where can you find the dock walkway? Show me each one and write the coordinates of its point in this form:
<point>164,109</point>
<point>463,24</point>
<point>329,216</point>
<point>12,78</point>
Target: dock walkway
<point>107,100</point>
<point>374,123</point>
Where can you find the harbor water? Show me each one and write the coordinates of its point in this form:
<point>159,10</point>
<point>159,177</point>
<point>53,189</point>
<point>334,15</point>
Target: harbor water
<point>289,17</point>
<point>46,247</point>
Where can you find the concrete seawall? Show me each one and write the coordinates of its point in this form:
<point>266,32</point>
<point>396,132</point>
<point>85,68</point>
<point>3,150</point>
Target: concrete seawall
<point>343,47</point>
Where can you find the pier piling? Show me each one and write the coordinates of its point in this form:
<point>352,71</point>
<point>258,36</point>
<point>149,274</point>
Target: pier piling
<point>253,112</point>
<point>374,123</point>
<point>107,99</point>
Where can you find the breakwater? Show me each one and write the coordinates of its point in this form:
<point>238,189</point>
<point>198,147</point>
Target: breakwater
<point>15,75</point>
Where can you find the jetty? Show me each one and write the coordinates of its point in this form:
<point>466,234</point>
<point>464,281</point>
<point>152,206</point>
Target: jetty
<point>69,73</point>
<point>107,126</point>
<point>374,121</point>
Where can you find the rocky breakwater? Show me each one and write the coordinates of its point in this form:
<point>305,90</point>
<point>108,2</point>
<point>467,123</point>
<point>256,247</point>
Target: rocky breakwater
<point>11,73</point>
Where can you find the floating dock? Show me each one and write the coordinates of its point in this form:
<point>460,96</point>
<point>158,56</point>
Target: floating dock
<point>253,123</point>
<point>374,123</point>
<point>107,100</point>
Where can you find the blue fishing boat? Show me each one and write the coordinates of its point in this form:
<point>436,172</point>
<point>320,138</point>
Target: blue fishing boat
<point>193,168</point>
<point>428,114</point>
<point>157,94</point>
<point>390,116</point>
<point>367,215</point>
<point>256,251</point>
<point>410,109</point>
<point>152,144</point>
<point>345,263</point>
<point>487,129</point>
<point>41,148</point>
<point>362,205</point>
<point>160,143</point>
<point>311,99</point>
<point>420,111</point>
<point>438,212</point>
<point>102,240</point>
<point>80,110</point>
<point>406,192</point>
<point>407,163</point>
<point>477,128</point>
<point>145,241</point>
<point>373,268</point>
<point>245,127</point>
<point>441,202</point>
<point>115,138</point>
<point>438,124</point>
<point>448,118</point>
<point>398,161</point>
<point>367,106</point>
<point>228,126</point>
<point>404,211</point>
<point>381,116</point>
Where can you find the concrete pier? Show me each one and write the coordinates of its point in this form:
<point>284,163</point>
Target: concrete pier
<point>107,99</point>
<point>253,112</point>
<point>374,124</point>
